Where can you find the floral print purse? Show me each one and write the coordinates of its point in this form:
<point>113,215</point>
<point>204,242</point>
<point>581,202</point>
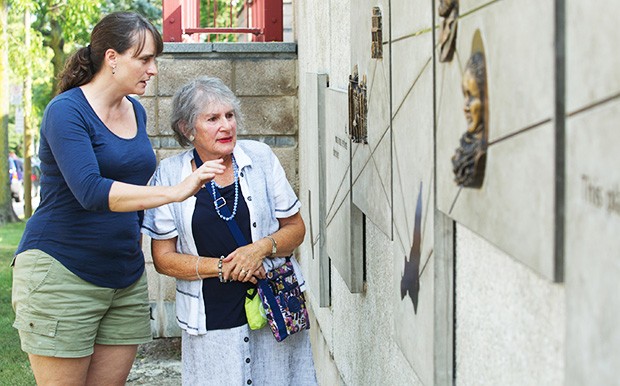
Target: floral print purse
<point>284,302</point>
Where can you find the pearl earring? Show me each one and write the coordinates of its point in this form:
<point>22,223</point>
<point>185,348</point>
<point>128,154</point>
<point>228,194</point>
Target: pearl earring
<point>191,137</point>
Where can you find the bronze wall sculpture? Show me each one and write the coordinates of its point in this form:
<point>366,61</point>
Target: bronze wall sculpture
<point>468,162</point>
<point>376,51</point>
<point>449,11</point>
<point>358,108</point>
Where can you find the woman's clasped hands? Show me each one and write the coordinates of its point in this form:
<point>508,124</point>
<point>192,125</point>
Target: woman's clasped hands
<point>244,264</point>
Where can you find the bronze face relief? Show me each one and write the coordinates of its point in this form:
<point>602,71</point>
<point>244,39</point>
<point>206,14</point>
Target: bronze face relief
<point>468,162</point>
<point>449,11</point>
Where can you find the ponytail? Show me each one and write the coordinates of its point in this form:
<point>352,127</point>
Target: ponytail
<point>79,70</point>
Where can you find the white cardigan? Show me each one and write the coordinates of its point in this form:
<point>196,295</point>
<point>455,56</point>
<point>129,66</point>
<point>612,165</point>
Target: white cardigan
<point>267,193</point>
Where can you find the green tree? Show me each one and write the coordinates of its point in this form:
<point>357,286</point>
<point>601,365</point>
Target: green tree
<point>59,22</point>
<point>66,24</point>
<point>6,210</point>
<point>149,9</point>
<point>220,13</point>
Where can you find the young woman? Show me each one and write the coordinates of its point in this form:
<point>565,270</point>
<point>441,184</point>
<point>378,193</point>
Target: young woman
<point>79,287</point>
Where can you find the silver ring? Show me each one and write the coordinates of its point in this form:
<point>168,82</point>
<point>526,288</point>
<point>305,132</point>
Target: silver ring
<point>243,271</point>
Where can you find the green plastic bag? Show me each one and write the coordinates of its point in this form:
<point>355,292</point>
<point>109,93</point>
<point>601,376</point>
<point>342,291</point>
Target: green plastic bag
<point>254,310</point>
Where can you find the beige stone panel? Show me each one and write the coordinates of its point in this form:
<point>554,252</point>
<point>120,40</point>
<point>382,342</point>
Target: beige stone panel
<point>514,208</point>
<point>371,162</point>
<point>371,186</point>
<point>413,330</point>
<point>173,73</point>
<point>363,344</point>
<point>162,292</point>
<point>309,161</point>
<point>339,239</point>
<point>338,43</point>
<point>313,34</point>
<point>288,157</point>
<point>164,111</point>
<point>592,59</point>
<point>518,43</point>
<point>413,323</point>
<point>269,116</point>
<point>267,77</point>
<point>409,18</point>
<point>166,285</point>
<point>468,6</point>
<point>340,221</point>
<point>167,153</point>
<point>510,322</point>
<point>413,183</point>
<point>413,157</point>
<point>151,87</point>
<point>592,269</point>
<point>160,286</point>
<point>410,58</point>
<point>451,125</point>
<point>337,162</point>
<point>150,106</point>
<point>153,281</point>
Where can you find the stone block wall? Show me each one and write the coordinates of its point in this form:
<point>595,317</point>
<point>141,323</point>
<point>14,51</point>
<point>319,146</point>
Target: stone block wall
<point>412,279</point>
<point>264,77</point>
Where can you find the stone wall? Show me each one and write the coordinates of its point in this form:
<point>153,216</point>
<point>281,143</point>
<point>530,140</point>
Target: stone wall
<point>264,77</point>
<point>591,242</point>
<point>416,280</point>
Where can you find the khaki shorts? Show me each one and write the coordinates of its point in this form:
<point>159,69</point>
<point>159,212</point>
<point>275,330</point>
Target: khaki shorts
<point>60,315</point>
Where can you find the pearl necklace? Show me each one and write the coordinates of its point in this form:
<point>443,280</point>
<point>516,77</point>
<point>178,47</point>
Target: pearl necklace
<point>213,185</point>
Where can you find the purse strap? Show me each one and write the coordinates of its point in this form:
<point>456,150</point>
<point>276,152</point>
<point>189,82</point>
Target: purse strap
<point>232,224</point>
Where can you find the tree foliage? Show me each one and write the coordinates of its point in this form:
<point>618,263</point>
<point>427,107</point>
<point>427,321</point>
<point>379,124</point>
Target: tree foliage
<point>58,28</point>
<point>61,26</point>
<point>226,16</point>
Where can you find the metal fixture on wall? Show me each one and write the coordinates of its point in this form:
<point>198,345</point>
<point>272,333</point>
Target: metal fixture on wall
<point>449,11</point>
<point>377,34</point>
<point>358,108</point>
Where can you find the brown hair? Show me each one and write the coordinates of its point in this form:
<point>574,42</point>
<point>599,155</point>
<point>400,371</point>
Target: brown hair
<point>119,31</point>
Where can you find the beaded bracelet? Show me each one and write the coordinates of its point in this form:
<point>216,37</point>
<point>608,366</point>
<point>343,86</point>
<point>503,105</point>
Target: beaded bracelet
<point>197,268</point>
<point>220,275</point>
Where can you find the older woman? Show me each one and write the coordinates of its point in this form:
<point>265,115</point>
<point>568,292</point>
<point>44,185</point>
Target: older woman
<point>193,243</point>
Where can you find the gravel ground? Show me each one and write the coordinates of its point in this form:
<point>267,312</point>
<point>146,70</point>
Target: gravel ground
<point>158,363</point>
